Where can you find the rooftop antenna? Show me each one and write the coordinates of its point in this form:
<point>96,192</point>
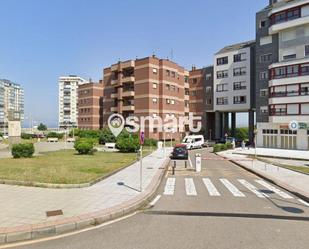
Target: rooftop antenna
<point>172,54</point>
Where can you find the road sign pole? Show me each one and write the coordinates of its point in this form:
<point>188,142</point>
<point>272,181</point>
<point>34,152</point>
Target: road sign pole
<point>141,168</point>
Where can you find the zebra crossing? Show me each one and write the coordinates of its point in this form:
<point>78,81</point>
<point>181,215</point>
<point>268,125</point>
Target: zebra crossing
<point>259,188</point>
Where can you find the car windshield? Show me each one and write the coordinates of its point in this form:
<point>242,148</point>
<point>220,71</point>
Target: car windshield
<point>179,149</point>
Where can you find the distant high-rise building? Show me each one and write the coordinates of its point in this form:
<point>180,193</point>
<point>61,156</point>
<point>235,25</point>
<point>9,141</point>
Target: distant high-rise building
<point>68,100</point>
<point>11,103</point>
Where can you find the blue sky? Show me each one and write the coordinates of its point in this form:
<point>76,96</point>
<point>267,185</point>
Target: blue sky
<point>42,40</point>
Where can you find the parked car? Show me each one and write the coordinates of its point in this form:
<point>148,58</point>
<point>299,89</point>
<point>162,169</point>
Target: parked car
<point>193,142</point>
<point>180,152</point>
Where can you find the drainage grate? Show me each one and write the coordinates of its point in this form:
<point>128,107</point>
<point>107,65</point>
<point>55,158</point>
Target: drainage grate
<point>54,213</point>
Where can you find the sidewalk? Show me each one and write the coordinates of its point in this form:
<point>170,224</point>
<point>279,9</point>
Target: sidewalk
<point>288,154</point>
<point>288,179</point>
<point>23,209</point>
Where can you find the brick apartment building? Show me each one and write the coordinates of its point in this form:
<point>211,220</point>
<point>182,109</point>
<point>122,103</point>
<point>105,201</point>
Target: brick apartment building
<point>90,106</point>
<point>146,87</point>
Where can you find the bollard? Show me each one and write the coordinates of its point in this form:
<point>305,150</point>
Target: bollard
<point>173,168</point>
<point>186,164</point>
<point>198,163</point>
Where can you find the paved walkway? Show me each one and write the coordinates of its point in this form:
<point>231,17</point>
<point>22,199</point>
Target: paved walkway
<point>292,180</point>
<point>289,154</point>
<point>28,205</point>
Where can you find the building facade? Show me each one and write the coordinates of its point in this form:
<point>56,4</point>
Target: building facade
<point>234,82</point>
<point>68,100</point>
<point>283,75</point>
<point>90,106</point>
<point>11,103</point>
<point>146,87</point>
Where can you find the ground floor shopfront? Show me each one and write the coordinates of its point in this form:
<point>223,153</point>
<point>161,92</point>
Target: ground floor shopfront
<point>274,135</point>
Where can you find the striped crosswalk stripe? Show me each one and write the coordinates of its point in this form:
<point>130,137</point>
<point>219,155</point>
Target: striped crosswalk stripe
<point>232,188</point>
<point>210,187</point>
<point>275,190</point>
<point>170,186</point>
<point>303,202</point>
<point>252,188</point>
<point>190,187</point>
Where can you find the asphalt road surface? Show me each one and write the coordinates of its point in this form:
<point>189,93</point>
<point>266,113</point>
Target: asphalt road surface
<point>224,206</point>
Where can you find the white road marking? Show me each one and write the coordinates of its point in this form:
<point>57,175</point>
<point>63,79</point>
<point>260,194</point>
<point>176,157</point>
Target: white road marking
<point>169,186</point>
<point>303,202</point>
<point>232,188</point>
<point>252,188</point>
<point>273,189</point>
<point>210,187</point>
<point>155,200</point>
<point>190,187</point>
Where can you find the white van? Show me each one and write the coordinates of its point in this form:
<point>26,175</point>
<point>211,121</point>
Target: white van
<point>193,141</point>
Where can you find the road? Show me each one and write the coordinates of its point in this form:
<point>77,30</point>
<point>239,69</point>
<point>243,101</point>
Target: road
<point>222,207</point>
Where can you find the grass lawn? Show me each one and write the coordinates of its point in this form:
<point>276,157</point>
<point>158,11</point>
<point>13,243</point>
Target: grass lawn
<point>64,167</point>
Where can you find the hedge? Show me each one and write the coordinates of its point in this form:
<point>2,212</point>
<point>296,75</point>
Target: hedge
<point>84,146</point>
<point>23,150</point>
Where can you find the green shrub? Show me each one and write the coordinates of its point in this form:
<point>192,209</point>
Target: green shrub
<point>150,142</point>
<point>106,136</point>
<point>84,146</point>
<point>127,142</point>
<point>74,131</point>
<point>229,146</point>
<point>26,136</point>
<point>89,134</point>
<point>23,150</point>
<point>221,147</point>
<point>55,135</point>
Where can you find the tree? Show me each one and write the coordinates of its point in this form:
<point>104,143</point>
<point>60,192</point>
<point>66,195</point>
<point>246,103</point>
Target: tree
<point>42,127</point>
<point>106,136</point>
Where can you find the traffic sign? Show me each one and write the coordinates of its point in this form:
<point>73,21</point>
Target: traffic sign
<point>142,138</point>
<point>293,125</point>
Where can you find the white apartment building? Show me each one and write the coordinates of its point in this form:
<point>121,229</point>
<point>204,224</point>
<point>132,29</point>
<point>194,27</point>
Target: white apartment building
<point>288,77</point>
<point>233,85</point>
<point>232,78</point>
<point>68,100</point>
<point>11,103</point>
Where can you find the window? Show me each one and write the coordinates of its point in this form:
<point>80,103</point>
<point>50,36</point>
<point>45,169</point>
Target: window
<point>168,101</point>
<point>173,88</point>
<point>263,24</point>
<point>154,85</point>
<point>168,87</point>
<point>239,99</point>
<point>222,87</point>
<point>263,92</point>
<point>222,60</point>
<point>266,58</point>
<point>186,103</point>
<point>307,50</point>
<point>239,71</point>
<point>286,15</point>
<point>187,92</point>
<point>194,80</point>
<point>289,57</point>
<point>222,74</point>
<point>239,85</point>
<point>172,101</point>
<point>168,72</point>
<point>208,76</point>
<point>266,40</point>
<point>193,93</point>
<point>240,57</point>
<point>264,75</point>
<point>187,79</point>
<point>264,109</point>
<point>222,101</point>
<point>208,102</point>
<point>173,74</point>
<point>208,89</point>
<point>155,71</point>
<point>304,90</point>
<point>154,100</point>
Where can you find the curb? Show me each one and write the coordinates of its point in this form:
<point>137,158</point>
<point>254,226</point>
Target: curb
<point>53,228</point>
<point>276,182</point>
<point>268,156</point>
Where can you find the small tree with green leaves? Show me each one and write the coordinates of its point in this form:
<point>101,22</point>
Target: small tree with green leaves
<point>42,127</point>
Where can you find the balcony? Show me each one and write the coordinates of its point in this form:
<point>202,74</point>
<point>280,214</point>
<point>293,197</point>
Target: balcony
<point>128,94</point>
<point>114,95</point>
<point>114,81</point>
<point>114,109</point>
<point>128,108</point>
<point>127,64</point>
<point>126,79</point>
<point>276,28</point>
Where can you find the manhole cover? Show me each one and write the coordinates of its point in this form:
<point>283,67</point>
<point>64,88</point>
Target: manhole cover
<point>54,213</point>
